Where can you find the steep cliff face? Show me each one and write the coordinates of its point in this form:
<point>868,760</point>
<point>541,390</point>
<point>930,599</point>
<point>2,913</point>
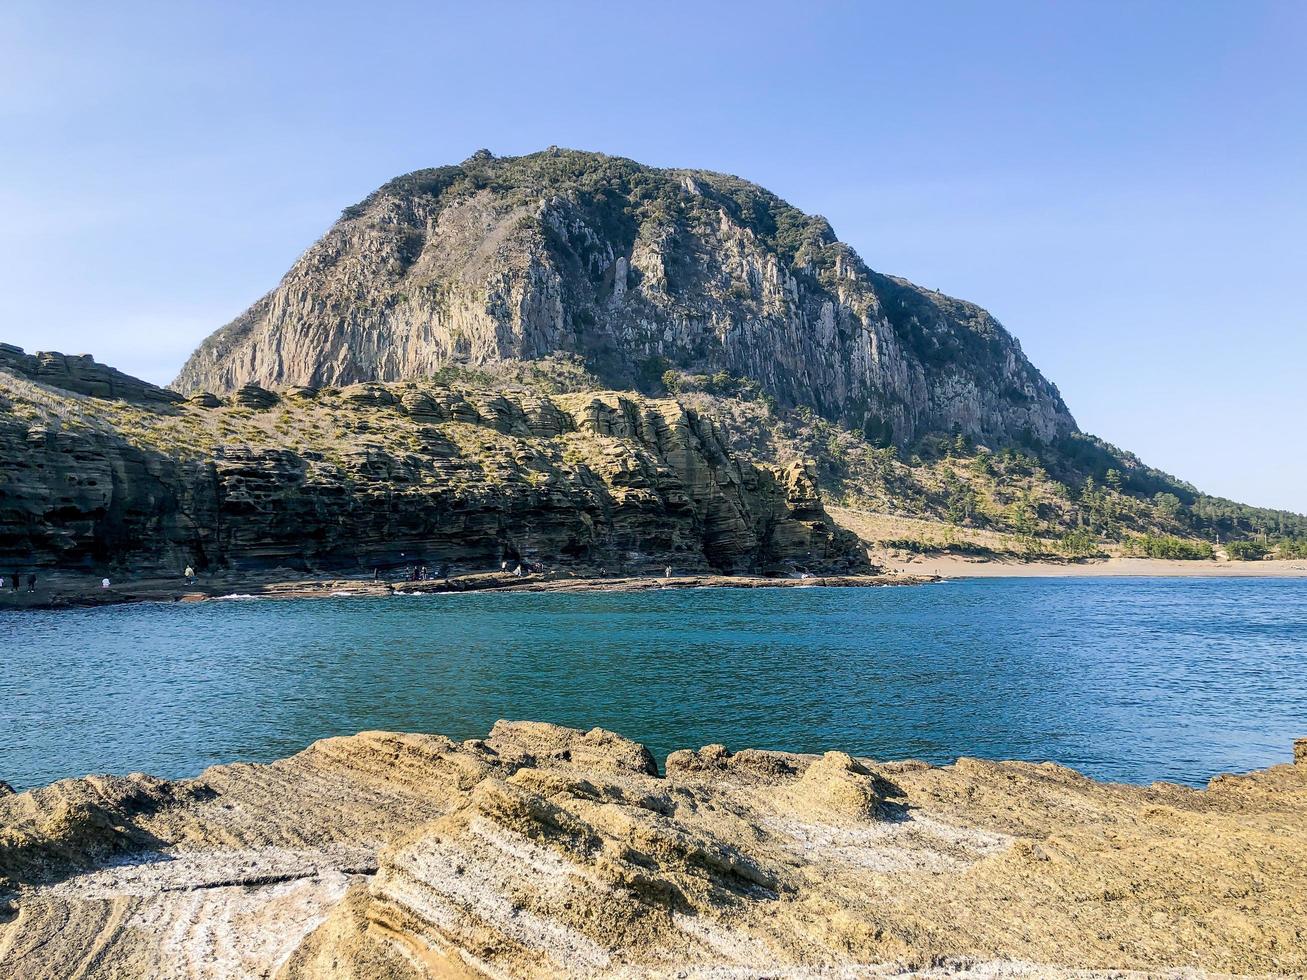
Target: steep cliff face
<point>637,269</point>
<point>349,479</point>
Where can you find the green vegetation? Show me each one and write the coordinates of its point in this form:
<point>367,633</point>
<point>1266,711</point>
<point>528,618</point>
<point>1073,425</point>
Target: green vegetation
<point>720,385</point>
<point>1079,544</point>
<point>1072,499</point>
<point>1216,516</point>
<point>1168,546</point>
<point>1295,548</point>
<point>920,546</point>
<point>1247,550</point>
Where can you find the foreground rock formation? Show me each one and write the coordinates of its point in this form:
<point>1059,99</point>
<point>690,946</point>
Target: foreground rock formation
<point>637,269</point>
<point>102,471</point>
<point>542,851</point>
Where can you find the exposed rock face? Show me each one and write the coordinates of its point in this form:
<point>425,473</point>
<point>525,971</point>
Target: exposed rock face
<point>636,269</point>
<point>382,474</point>
<point>81,374</point>
<point>543,852</point>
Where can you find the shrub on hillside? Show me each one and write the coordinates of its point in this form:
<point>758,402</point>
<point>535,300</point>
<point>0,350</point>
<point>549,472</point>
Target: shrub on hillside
<point>1292,548</point>
<point>1168,546</point>
<point>1246,550</point>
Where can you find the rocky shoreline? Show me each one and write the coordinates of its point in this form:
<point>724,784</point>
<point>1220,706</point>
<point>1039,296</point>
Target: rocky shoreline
<point>386,476</point>
<point>74,592</point>
<point>545,851</point>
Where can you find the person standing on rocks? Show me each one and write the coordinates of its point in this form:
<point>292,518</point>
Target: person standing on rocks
<point>31,582</point>
<point>190,575</point>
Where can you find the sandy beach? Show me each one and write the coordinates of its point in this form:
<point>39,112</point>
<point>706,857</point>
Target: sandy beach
<point>958,566</point>
<point>1000,555</point>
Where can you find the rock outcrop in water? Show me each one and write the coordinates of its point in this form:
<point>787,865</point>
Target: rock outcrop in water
<point>128,475</point>
<point>543,851</point>
<point>637,269</point>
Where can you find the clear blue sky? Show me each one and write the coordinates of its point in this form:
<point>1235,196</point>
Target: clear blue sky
<point>1124,185</point>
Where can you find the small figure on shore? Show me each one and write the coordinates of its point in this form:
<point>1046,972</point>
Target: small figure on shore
<point>517,572</point>
<point>503,565</point>
<point>104,583</point>
<point>190,576</point>
<point>31,583</point>
<point>376,574</point>
<point>2,582</point>
<point>14,579</point>
<point>667,572</point>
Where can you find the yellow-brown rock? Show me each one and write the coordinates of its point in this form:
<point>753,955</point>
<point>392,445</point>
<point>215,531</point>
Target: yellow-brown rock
<point>543,852</point>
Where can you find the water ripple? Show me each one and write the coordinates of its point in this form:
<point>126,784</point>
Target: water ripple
<point>1125,679</point>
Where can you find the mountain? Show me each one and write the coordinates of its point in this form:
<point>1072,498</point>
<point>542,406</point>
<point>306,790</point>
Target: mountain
<point>575,359</point>
<point>639,270</point>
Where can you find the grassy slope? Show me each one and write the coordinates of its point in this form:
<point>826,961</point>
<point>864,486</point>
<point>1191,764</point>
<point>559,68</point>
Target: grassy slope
<point>1078,499</point>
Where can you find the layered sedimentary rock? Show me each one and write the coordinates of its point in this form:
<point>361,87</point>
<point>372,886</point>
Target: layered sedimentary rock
<point>637,269</point>
<point>81,373</point>
<point>543,851</point>
<point>386,474</point>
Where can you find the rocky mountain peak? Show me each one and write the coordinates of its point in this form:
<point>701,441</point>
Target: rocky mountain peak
<point>639,270</point>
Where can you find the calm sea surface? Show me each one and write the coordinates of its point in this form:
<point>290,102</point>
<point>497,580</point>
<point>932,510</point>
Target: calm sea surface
<point>1129,679</point>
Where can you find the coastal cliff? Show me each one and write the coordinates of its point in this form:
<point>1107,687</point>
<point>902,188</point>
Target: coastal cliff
<point>639,270</point>
<point>542,851</point>
<point>103,471</point>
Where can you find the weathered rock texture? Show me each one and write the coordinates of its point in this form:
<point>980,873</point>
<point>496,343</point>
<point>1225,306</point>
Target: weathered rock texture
<point>637,269</point>
<point>81,374</point>
<point>386,474</point>
<point>545,852</point>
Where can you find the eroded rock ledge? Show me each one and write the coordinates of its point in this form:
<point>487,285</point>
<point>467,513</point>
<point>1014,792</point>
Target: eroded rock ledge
<point>544,851</point>
<point>103,477</point>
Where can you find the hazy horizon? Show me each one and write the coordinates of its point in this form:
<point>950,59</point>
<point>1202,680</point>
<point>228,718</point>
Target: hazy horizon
<point>1123,189</point>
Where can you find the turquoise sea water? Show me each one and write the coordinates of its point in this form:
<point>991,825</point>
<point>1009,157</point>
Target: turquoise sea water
<point>1133,680</point>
